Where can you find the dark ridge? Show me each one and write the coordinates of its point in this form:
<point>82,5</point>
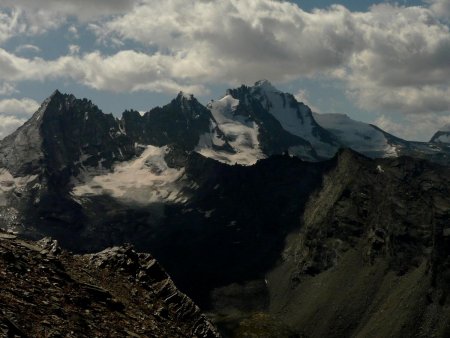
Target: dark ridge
<point>116,293</point>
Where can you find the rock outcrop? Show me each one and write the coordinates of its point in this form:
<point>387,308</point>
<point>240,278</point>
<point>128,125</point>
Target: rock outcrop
<point>49,292</point>
<point>371,259</point>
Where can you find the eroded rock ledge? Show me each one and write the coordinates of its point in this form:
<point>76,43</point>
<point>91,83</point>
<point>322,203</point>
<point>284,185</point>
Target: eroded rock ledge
<point>48,292</point>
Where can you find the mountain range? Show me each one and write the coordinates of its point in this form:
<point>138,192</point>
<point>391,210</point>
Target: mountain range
<point>269,216</point>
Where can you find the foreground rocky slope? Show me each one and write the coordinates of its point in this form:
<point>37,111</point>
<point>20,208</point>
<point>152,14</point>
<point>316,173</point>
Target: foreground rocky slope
<point>47,292</point>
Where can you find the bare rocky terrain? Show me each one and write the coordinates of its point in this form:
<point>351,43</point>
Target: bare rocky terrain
<point>283,244</point>
<point>48,292</point>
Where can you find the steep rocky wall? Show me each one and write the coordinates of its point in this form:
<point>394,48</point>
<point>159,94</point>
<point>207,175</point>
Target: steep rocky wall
<point>371,259</point>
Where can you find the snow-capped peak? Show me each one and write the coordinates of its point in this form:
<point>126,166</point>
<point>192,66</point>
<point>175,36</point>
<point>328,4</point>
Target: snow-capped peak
<point>240,133</point>
<point>359,136</point>
<point>442,135</point>
<point>186,96</point>
<point>266,86</point>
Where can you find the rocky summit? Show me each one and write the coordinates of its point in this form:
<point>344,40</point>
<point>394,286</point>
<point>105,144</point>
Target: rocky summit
<point>49,292</point>
<point>276,221</point>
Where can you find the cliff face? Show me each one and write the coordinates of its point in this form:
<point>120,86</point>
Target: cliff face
<point>371,259</point>
<point>47,292</point>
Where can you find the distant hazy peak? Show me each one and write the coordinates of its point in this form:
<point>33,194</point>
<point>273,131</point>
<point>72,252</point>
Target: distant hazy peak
<point>442,135</point>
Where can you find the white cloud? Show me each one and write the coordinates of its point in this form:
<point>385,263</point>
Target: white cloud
<point>391,58</point>
<point>16,20</point>
<point>7,89</point>
<point>404,66</point>
<point>82,9</point>
<point>18,107</point>
<point>10,24</point>
<point>33,17</point>
<point>8,124</point>
<point>397,53</point>
<point>74,31</point>
<point>303,96</point>
<point>240,41</point>
<point>74,49</point>
<point>28,48</point>
<point>124,71</point>
<point>413,127</point>
<point>440,7</point>
<point>406,99</point>
<point>14,113</point>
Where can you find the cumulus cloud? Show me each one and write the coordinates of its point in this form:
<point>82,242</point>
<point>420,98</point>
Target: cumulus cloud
<point>240,41</point>
<point>9,24</point>
<point>412,127</point>
<point>440,7</point>
<point>390,58</point>
<point>27,48</point>
<point>16,21</point>
<point>8,124</point>
<point>406,99</point>
<point>14,113</point>
<point>18,107</point>
<point>124,71</point>
<point>7,89</point>
<point>303,96</point>
<point>82,9</point>
<point>74,32</point>
<point>74,49</point>
<point>34,17</point>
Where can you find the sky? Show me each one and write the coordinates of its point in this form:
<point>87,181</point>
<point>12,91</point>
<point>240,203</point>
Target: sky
<point>380,62</point>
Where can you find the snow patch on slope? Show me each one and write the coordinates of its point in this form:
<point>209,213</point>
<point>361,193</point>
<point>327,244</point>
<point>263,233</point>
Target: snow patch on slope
<point>9,183</point>
<point>241,134</point>
<point>287,112</point>
<point>147,179</point>
<point>443,138</point>
<point>294,117</point>
<point>16,186</point>
<point>211,139</point>
<point>443,135</point>
<point>359,136</point>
